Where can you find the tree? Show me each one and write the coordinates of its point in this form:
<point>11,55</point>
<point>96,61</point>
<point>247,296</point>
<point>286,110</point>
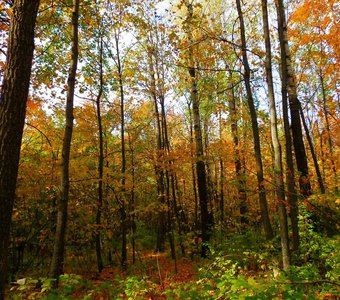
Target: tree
<point>278,169</point>
<point>100,155</point>
<point>13,100</point>
<point>57,264</point>
<point>255,128</point>
<point>294,103</point>
<point>240,175</point>
<point>200,165</point>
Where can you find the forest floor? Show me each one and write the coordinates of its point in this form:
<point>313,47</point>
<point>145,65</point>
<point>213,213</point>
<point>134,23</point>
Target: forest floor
<point>245,268</point>
<point>163,273</point>
<point>149,278</point>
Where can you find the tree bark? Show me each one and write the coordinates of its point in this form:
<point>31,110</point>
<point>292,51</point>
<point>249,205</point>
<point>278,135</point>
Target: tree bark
<point>100,159</point>
<point>13,99</point>
<point>255,128</point>
<point>294,103</point>
<point>278,173</point>
<point>312,150</point>
<point>57,264</point>
<point>200,165</point>
<point>161,228</point>
<point>240,176</point>
<point>290,174</point>
<point>222,173</point>
<point>123,214</point>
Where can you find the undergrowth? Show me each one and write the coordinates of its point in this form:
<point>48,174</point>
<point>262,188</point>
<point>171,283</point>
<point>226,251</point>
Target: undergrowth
<point>244,266</point>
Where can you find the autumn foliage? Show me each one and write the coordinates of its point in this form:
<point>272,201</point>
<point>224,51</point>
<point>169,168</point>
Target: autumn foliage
<point>142,68</point>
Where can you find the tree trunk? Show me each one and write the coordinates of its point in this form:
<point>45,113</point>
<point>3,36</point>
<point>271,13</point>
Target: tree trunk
<point>312,150</point>
<point>278,173</point>
<point>294,103</point>
<point>222,174</point>
<point>57,264</point>
<point>255,128</point>
<point>321,150</point>
<point>172,206</point>
<point>200,165</point>
<point>329,138</point>
<point>192,156</point>
<point>100,160</point>
<point>132,202</point>
<point>123,214</point>
<point>13,99</point>
<point>290,174</point>
<point>240,178</point>
<point>161,228</point>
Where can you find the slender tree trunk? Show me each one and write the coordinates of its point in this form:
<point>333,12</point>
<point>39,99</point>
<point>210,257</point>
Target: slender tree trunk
<point>161,228</point>
<point>57,264</point>
<point>100,161</point>
<point>123,214</point>
<point>176,209</point>
<point>256,135</point>
<point>294,103</point>
<point>321,150</point>
<point>172,206</point>
<point>329,138</point>
<point>312,150</point>
<point>240,178</point>
<point>132,202</point>
<point>200,165</point>
<point>222,175</point>
<point>13,99</point>
<point>209,180</point>
<point>192,155</point>
<point>290,174</point>
<point>278,173</point>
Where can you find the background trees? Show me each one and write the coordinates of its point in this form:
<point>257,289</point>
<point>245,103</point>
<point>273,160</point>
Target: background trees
<point>167,110</point>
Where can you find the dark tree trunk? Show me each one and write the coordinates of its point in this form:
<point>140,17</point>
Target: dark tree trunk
<point>200,165</point>
<point>13,99</point>
<point>312,150</point>
<point>172,207</point>
<point>57,264</point>
<point>123,214</point>
<point>222,175</point>
<point>100,160</point>
<point>240,177</point>
<point>294,103</point>
<point>132,202</point>
<point>160,178</point>
<point>192,155</point>
<point>255,128</point>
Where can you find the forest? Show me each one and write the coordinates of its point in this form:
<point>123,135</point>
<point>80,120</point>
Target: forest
<point>180,149</point>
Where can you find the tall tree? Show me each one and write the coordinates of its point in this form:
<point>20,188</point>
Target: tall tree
<point>278,169</point>
<point>313,153</point>
<point>100,156</point>
<point>118,62</point>
<point>200,164</point>
<point>240,176</point>
<point>255,128</point>
<point>13,100</point>
<point>294,103</point>
<point>160,178</point>
<point>290,174</point>
<point>57,264</point>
